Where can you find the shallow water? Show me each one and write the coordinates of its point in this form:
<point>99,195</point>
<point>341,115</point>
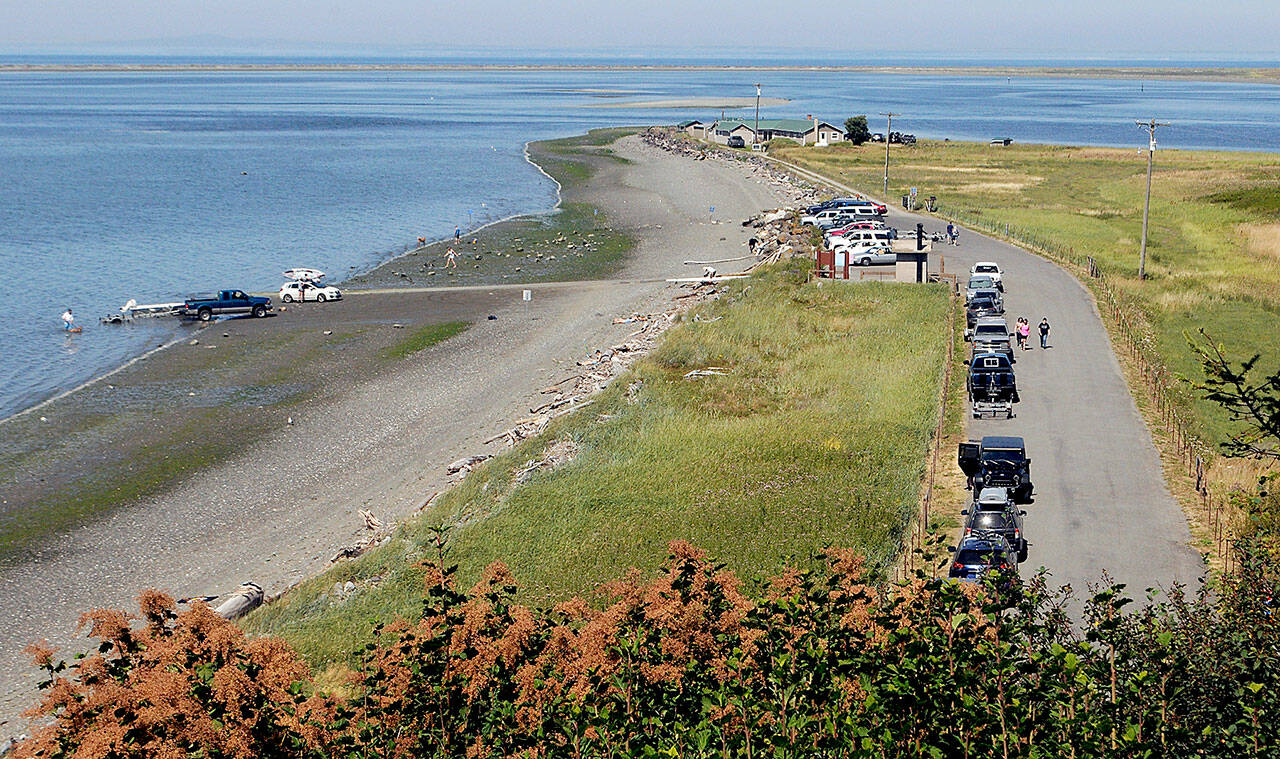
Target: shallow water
<point>150,185</point>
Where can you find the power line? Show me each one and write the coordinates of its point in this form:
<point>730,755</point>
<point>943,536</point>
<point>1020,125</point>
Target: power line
<point>1150,126</point>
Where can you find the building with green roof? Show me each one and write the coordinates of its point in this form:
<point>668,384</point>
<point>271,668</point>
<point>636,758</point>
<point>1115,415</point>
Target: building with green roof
<point>803,131</point>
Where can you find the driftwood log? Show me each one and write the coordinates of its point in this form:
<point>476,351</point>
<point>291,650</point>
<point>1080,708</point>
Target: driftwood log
<point>245,599</point>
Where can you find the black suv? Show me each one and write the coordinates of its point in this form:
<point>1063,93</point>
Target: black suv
<point>998,461</point>
<point>982,553</point>
<point>994,511</point>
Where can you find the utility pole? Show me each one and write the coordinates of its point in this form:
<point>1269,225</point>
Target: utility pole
<point>1150,126</point>
<point>757,134</point>
<point>888,128</point>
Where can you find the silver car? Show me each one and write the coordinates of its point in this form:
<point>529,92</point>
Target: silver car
<point>873,257</point>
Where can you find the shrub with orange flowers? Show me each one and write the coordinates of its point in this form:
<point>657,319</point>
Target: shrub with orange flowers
<point>823,662</point>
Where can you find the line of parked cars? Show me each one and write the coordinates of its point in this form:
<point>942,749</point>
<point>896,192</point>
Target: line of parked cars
<point>993,539</point>
<point>854,227</point>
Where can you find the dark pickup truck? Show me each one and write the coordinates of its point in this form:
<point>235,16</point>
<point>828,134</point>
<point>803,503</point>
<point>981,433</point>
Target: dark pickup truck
<point>206,306</point>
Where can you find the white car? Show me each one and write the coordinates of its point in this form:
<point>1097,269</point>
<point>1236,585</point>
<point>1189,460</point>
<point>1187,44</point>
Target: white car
<point>988,269</point>
<point>304,291</point>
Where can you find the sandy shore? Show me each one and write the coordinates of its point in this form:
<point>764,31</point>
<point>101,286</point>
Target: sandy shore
<point>338,426</point>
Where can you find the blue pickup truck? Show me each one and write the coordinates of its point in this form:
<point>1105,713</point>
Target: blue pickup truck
<point>206,306</point>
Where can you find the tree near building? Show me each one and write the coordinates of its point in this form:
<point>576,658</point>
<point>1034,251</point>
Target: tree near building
<point>856,130</point>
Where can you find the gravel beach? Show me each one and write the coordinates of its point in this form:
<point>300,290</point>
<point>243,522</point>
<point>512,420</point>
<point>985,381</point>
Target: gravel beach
<point>342,428</point>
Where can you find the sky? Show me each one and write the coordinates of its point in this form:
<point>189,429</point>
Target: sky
<point>858,28</point>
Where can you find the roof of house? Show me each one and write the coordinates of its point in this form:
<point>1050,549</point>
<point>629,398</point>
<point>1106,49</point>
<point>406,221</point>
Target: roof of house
<point>773,125</point>
<point>687,124</point>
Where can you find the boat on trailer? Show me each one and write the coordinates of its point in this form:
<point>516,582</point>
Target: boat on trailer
<point>133,309</point>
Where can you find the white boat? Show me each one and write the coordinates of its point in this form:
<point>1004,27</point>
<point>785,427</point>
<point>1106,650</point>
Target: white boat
<point>303,274</point>
<point>134,309</point>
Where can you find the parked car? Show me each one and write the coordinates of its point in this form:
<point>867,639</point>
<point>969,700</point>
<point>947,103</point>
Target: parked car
<point>989,269</point>
<point>829,217</point>
<point>872,256</point>
<point>983,554</point>
<point>877,137</point>
<point>206,306</point>
<point>998,461</point>
<point>987,327</point>
<point>982,305</point>
<point>836,203</point>
<point>736,142</point>
<point>991,385</point>
<point>856,225</point>
<point>994,511</point>
<point>860,238</point>
<point>978,282</point>
<point>305,291</point>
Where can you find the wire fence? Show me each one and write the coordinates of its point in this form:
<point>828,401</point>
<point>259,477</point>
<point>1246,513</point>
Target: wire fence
<point>1168,406</point>
<point>914,556</point>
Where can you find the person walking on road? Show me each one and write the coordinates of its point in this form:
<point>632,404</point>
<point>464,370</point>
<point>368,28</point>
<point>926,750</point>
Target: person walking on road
<point>1024,332</point>
<point>1017,331</point>
<point>951,233</point>
<point>1044,332</point>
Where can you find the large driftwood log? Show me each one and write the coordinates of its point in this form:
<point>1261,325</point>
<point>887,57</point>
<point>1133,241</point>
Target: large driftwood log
<point>245,599</point>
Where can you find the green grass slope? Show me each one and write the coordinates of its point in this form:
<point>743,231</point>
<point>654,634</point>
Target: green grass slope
<point>817,435</point>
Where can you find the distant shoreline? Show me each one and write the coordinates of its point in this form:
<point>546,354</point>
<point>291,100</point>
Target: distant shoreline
<point>1226,73</point>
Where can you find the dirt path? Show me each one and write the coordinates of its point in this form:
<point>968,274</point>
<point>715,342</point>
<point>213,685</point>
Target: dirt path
<point>278,511</point>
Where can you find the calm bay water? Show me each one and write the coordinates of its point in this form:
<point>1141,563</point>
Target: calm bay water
<point>150,185</point>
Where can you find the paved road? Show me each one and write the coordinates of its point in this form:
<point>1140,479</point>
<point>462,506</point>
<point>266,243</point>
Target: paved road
<point>1101,500</point>
<point>1101,504</point>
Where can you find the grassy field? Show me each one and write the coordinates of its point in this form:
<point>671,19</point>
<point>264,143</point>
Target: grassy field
<point>1214,240</point>
<point>817,435</point>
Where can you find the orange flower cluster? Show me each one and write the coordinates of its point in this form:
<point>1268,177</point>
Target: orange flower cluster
<point>173,685</point>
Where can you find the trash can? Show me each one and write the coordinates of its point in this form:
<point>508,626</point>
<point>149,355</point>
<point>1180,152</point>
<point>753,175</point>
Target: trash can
<point>906,201</point>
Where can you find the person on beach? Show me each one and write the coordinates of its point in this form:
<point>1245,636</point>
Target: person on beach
<point>1024,332</point>
<point>422,241</point>
<point>1044,332</point>
<point>68,320</point>
<point>457,234</point>
<point>451,259</point>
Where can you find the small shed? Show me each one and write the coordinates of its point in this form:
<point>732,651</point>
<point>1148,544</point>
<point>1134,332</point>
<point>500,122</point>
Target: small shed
<point>695,128</point>
<point>912,266</point>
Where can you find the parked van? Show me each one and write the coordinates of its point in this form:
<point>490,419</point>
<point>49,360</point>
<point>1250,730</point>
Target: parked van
<point>825,216</point>
<point>856,238</point>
